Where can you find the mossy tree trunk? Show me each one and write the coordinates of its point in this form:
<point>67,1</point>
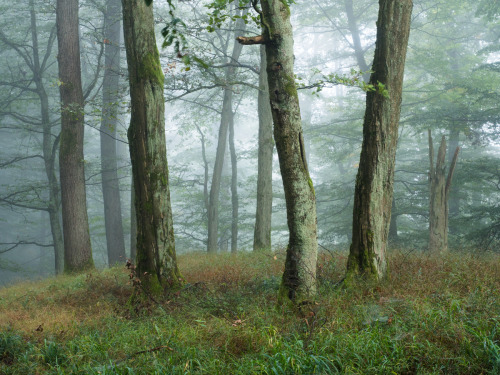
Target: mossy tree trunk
<point>156,257</point>
<point>115,240</point>
<point>374,181</point>
<point>48,143</point>
<point>262,231</point>
<point>439,186</point>
<point>299,278</point>
<point>77,248</point>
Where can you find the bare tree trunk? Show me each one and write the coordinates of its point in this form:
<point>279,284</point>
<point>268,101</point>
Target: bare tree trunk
<point>374,182</point>
<point>205,169</point>
<point>115,241</point>
<point>156,257</point>
<point>439,195</point>
<point>77,248</point>
<point>262,232</point>
<point>454,198</point>
<point>227,114</point>
<point>234,188</point>
<point>48,144</point>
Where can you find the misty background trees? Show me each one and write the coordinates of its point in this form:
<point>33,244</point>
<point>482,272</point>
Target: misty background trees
<point>450,86</point>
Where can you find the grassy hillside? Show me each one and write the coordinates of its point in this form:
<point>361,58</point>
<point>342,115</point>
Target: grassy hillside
<point>436,315</point>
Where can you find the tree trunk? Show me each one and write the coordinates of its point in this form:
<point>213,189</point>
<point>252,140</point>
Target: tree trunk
<point>77,248</point>
<point>156,258</point>
<point>227,114</point>
<point>234,188</point>
<point>393,226</point>
<point>115,241</point>
<point>454,198</point>
<point>374,181</point>
<point>299,278</point>
<point>359,52</point>
<point>262,232</point>
<point>439,195</point>
<point>133,224</point>
<point>48,145</point>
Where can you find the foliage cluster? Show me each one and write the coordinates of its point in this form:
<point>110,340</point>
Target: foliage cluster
<point>436,315</point>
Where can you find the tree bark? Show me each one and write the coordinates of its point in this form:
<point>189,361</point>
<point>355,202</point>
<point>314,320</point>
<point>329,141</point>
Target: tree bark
<point>133,224</point>
<point>439,194</point>
<point>299,278</point>
<point>115,241</point>
<point>48,144</point>
<point>156,257</point>
<point>374,181</point>
<point>262,231</point>
<point>227,114</point>
<point>77,248</point>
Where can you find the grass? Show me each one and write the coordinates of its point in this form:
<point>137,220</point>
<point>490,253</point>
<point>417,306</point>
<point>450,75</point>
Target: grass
<point>434,315</point>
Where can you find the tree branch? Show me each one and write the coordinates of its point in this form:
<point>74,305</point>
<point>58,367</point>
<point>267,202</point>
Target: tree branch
<point>246,41</point>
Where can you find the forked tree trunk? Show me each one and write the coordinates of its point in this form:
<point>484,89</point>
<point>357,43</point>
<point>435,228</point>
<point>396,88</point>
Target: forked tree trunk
<point>374,181</point>
<point>115,241</point>
<point>299,278</point>
<point>440,185</point>
<point>48,143</point>
<point>226,118</point>
<point>77,248</point>
<point>262,231</point>
<point>156,258</point>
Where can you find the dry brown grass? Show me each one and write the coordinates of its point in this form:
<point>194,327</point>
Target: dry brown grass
<point>229,269</point>
<point>58,305</point>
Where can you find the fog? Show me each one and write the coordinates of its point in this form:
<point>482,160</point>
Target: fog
<point>451,87</point>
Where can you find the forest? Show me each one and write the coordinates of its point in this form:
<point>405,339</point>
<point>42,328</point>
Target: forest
<point>250,187</point>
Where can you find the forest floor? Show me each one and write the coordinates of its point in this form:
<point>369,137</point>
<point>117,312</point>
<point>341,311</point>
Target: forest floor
<point>434,315</point>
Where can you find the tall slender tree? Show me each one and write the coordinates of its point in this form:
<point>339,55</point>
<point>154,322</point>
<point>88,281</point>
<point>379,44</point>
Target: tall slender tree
<point>262,231</point>
<point>77,248</point>
<point>115,241</point>
<point>156,257</point>
<point>299,278</point>
<point>374,182</point>
<point>226,118</point>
